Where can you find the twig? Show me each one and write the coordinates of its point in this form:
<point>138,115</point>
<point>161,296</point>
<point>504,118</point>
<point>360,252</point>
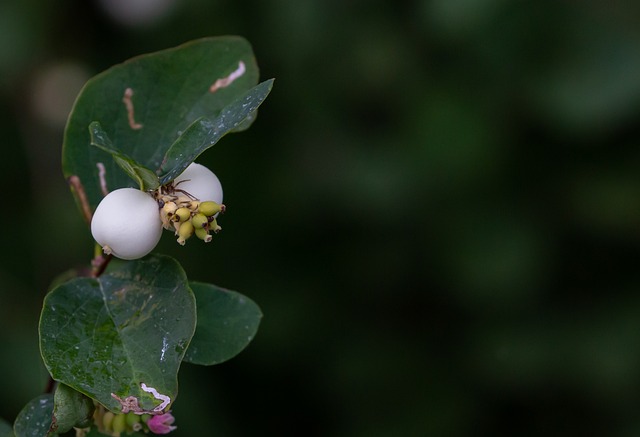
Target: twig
<point>51,385</point>
<point>99,264</point>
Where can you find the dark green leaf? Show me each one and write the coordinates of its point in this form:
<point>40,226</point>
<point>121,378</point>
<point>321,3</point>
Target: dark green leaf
<point>227,322</point>
<point>146,179</point>
<point>6,430</point>
<point>35,418</point>
<point>106,337</point>
<point>171,89</point>
<point>70,409</point>
<point>204,133</point>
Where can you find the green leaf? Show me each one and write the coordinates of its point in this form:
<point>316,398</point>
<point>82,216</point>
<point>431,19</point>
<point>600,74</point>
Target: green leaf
<point>171,89</point>
<point>204,133</point>
<point>6,430</point>
<point>146,179</point>
<point>35,418</point>
<point>106,337</point>
<point>71,409</point>
<point>227,322</point>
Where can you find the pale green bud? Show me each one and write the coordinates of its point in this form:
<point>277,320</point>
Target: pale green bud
<point>107,420</point>
<point>199,221</point>
<point>203,234</point>
<point>132,419</point>
<point>119,424</point>
<point>184,232</point>
<point>213,226</point>
<point>210,208</point>
<point>182,214</point>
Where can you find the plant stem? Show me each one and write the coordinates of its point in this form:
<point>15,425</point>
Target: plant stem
<point>99,264</point>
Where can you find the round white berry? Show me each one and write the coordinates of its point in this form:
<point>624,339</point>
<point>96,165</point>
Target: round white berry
<point>200,182</point>
<point>127,223</point>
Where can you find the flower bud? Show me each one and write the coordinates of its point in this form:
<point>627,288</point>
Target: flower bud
<point>161,424</point>
<point>199,221</point>
<point>210,208</point>
<point>182,214</point>
<point>214,227</point>
<point>107,420</point>
<point>132,419</point>
<point>185,231</point>
<point>170,208</point>
<point>203,234</point>
<point>119,424</point>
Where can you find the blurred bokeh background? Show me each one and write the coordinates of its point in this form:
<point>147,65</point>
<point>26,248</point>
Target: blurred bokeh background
<point>438,210</point>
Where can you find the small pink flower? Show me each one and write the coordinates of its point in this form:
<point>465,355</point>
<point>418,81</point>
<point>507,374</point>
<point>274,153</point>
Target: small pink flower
<point>161,424</point>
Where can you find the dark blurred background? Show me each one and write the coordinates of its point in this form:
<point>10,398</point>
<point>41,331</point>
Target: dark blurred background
<point>438,210</point>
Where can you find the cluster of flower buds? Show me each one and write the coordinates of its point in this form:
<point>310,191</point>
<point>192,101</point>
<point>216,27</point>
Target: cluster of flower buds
<point>116,425</point>
<point>187,217</point>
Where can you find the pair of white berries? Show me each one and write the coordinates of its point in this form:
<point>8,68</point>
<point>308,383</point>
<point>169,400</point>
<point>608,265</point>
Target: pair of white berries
<point>128,222</point>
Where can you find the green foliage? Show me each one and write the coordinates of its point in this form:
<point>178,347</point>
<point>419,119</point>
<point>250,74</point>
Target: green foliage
<point>227,322</point>
<point>170,95</point>
<point>132,325</point>
<point>34,420</point>
<point>5,429</point>
<point>117,338</point>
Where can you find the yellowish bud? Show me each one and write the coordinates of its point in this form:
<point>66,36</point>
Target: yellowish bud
<point>182,214</point>
<point>119,424</point>
<point>203,234</point>
<point>199,220</point>
<point>210,208</point>
<point>132,419</point>
<point>107,420</point>
<point>213,226</point>
<point>170,208</point>
<point>185,231</point>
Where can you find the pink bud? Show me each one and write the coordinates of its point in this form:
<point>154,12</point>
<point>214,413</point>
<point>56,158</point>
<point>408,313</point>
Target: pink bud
<point>161,424</point>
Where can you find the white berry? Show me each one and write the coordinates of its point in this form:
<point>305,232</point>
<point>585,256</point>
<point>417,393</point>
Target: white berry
<point>127,223</point>
<point>200,182</point>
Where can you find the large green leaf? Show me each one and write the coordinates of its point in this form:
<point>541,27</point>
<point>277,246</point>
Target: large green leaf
<point>227,322</point>
<point>34,419</point>
<point>106,337</point>
<point>170,90</point>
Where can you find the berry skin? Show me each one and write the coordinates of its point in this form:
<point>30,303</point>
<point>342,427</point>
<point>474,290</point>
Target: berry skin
<point>127,223</point>
<point>200,182</point>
